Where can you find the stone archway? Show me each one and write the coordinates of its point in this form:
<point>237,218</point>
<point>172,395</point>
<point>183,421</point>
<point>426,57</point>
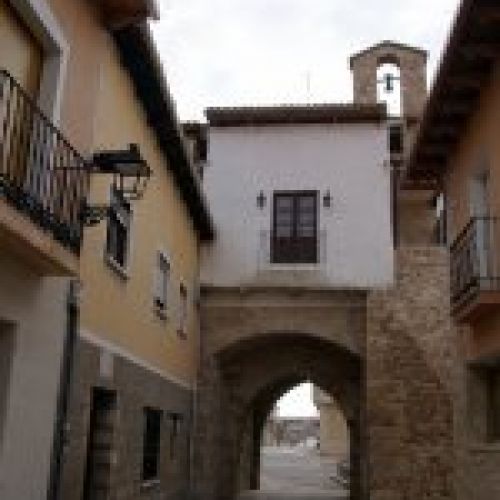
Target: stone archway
<point>256,415</point>
<point>399,343</point>
<point>307,335</point>
<point>262,370</point>
<point>247,378</point>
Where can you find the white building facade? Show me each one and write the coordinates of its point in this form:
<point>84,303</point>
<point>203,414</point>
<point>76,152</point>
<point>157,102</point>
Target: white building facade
<point>299,195</point>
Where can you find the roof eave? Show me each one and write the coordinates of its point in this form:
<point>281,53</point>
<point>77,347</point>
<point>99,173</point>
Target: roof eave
<point>447,111</point>
<point>140,58</point>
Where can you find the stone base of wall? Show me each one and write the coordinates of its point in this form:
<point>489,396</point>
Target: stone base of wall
<point>136,388</point>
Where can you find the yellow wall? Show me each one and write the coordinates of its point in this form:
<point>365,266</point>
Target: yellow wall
<point>122,310</point>
<point>20,53</point>
<point>80,23</point>
<point>100,111</point>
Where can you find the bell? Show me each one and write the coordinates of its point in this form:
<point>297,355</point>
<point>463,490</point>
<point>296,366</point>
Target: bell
<point>389,82</point>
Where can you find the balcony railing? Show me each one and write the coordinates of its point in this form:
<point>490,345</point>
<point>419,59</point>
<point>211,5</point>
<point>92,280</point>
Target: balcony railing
<point>475,261</point>
<point>41,174</point>
<point>275,251</point>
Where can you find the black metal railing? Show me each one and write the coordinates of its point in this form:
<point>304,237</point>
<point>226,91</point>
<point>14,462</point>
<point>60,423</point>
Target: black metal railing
<point>41,174</point>
<point>475,260</point>
<point>273,250</point>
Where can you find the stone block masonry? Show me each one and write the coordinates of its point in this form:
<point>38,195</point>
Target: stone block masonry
<point>412,365</point>
<point>135,389</point>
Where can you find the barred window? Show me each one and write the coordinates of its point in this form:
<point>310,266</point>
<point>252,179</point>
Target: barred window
<point>118,234</point>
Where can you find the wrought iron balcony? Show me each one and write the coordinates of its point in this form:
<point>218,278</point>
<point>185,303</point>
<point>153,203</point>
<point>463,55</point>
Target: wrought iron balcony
<point>275,251</point>
<point>475,268</point>
<point>41,174</point>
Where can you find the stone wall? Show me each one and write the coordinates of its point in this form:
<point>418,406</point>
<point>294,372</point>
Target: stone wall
<point>412,64</point>
<point>256,345</point>
<point>136,388</point>
<point>412,370</point>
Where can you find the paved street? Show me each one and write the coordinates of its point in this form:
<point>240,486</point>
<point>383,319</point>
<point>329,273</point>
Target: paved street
<point>296,473</point>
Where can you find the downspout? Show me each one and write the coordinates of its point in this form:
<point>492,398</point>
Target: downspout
<point>68,356</point>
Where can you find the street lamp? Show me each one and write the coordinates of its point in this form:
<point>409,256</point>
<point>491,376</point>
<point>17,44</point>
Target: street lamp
<point>130,176</point>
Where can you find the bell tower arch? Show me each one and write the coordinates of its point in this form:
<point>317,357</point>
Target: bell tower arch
<point>412,64</point>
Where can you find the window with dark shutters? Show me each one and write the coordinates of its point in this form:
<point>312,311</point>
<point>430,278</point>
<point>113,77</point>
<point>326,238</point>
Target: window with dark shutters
<point>295,227</point>
<point>118,233</point>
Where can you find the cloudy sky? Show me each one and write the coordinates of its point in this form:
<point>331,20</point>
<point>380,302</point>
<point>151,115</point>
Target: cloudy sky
<point>237,52</point>
<point>230,52</point>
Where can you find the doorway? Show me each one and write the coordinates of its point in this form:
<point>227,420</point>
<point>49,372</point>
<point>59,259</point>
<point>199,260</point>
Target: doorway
<point>100,444</point>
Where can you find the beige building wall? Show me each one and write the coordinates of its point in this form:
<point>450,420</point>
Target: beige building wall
<point>160,222</point>
<point>98,110</point>
<point>101,112</point>
<point>20,53</point>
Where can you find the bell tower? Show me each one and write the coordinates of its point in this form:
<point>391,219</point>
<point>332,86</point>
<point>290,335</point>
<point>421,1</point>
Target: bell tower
<point>412,64</point>
<point>413,215</point>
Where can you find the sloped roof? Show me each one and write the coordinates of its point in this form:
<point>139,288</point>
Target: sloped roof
<point>139,56</point>
<point>471,53</point>
<point>296,114</point>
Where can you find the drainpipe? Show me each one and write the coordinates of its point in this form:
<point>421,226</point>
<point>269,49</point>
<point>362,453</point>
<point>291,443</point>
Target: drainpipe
<point>60,430</point>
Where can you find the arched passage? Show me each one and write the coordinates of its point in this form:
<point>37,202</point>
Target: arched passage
<point>248,377</point>
<point>287,462</point>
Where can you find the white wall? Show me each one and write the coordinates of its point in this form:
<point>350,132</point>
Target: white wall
<point>347,159</point>
<point>35,310</point>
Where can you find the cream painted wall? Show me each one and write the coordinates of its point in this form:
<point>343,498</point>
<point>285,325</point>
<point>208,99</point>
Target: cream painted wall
<point>346,159</point>
<point>36,309</point>
<point>80,23</point>
<point>20,53</point>
<point>120,309</point>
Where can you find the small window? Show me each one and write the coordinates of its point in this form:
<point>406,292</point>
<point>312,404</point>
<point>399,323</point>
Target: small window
<point>183,309</point>
<point>151,445</point>
<point>117,242</point>
<point>162,280</point>
<point>396,139</point>
<point>484,403</point>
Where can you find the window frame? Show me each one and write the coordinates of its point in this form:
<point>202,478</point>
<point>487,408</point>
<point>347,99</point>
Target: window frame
<point>183,309</point>
<point>294,239</point>
<point>120,212</point>
<point>162,277</point>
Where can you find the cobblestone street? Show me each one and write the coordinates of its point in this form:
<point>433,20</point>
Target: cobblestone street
<point>297,473</point>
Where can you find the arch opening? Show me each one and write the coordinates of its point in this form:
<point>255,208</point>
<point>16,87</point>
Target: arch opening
<point>304,444</point>
<point>259,374</point>
<point>389,89</point>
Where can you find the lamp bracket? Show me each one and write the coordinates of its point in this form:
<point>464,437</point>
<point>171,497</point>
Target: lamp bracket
<point>94,214</point>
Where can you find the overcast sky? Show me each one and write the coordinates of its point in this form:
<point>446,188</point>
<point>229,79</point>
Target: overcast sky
<point>298,402</point>
<point>240,52</point>
<point>234,52</point>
